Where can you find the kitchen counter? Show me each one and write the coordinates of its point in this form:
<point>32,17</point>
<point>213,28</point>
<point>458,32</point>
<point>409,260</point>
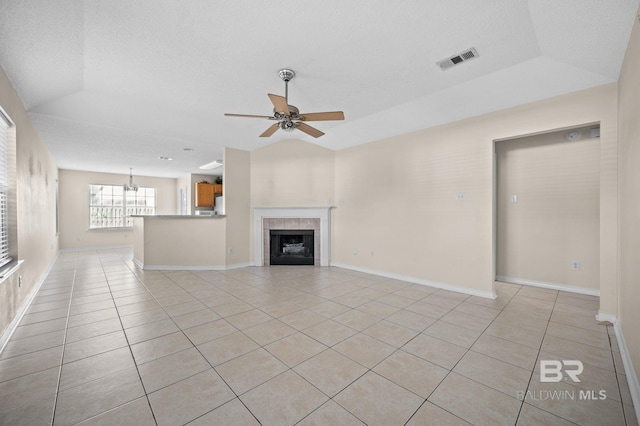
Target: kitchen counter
<point>180,216</point>
<point>179,242</point>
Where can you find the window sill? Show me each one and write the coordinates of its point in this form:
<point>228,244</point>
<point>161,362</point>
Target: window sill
<point>118,229</point>
<point>9,269</point>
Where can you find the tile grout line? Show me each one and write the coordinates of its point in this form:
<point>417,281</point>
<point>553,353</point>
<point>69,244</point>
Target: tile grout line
<point>64,342</point>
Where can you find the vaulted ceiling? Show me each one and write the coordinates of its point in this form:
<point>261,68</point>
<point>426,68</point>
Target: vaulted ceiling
<point>117,84</point>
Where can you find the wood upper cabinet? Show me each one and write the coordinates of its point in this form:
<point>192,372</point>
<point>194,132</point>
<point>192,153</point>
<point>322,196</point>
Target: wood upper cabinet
<point>205,193</point>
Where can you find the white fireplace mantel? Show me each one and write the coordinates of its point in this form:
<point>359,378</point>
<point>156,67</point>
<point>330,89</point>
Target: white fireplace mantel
<point>260,213</point>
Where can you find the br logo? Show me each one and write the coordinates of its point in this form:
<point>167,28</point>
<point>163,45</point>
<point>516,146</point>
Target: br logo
<point>551,371</point>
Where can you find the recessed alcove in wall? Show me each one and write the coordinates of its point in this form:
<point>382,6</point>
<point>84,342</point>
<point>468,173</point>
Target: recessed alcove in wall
<point>547,224</point>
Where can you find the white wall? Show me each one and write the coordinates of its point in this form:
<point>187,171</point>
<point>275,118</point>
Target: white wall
<point>291,173</point>
<point>629,232</point>
<point>555,218</point>
<point>397,197</point>
<point>74,207</point>
<point>237,201</point>
<point>35,240</point>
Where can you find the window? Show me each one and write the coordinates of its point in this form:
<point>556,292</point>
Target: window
<point>111,206</point>
<point>5,125</point>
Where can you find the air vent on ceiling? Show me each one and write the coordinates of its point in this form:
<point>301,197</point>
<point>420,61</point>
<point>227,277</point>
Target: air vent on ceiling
<point>468,54</point>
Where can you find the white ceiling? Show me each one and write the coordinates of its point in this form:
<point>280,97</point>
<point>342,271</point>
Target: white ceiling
<point>116,84</point>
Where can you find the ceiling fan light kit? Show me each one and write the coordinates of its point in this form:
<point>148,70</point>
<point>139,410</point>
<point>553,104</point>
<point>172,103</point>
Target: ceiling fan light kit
<point>288,117</point>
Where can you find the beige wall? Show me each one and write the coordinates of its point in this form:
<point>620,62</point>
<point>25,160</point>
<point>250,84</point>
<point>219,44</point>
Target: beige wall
<point>629,158</point>
<point>397,197</point>
<point>36,174</point>
<point>237,198</point>
<point>180,243</point>
<point>291,173</point>
<point>74,207</point>
<point>555,218</point>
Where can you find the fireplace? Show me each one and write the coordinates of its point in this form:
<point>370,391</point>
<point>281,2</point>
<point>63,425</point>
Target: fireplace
<point>291,246</point>
<point>287,219</point>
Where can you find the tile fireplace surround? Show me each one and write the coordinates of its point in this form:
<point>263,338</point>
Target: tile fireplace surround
<point>316,218</point>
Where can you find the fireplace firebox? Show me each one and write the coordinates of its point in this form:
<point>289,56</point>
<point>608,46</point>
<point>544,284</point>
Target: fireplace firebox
<point>291,246</point>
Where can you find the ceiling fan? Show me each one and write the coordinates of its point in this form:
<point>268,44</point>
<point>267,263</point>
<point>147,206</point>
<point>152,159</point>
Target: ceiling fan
<point>287,116</point>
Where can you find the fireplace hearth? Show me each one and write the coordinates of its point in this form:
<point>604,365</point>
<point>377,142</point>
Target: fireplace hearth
<point>291,246</point>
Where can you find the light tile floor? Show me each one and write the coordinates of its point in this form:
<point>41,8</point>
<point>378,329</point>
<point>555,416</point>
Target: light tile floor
<point>107,344</point>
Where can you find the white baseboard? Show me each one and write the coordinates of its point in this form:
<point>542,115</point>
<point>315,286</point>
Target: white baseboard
<point>11,328</point>
<point>444,286</point>
<point>632,376</point>
<point>549,285</point>
<point>603,317</point>
<point>145,267</point>
<point>94,248</point>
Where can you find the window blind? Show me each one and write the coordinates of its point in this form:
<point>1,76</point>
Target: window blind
<point>5,124</point>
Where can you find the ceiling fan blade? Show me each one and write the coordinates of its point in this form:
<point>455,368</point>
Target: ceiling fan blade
<point>309,130</point>
<point>323,116</point>
<point>279,103</point>
<point>247,116</point>
<point>271,130</point>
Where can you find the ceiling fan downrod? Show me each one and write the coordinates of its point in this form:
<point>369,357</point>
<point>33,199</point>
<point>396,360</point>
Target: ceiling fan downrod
<point>286,75</point>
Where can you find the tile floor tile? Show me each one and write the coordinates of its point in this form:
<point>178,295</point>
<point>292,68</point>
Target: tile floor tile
<point>269,332</point>
<point>171,369</point>
<point>209,331</point>
<point>27,389</point>
<point>330,414</point>
<point>95,397</point>
<point>34,362</point>
<point>568,404</point>
<point>265,401</point>
<point>37,412</point>
<point>376,346</point>
<point>193,319</point>
<point>412,373</point>
<point>330,371</point>
<point>189,399</point>
<point>87,369</point>
<point>364,349</point>
<point>248,319</point>
<point>429,413</point>
<point>33,344</point>
<point>411,320</point>
<point>474,402</point>
<point>496,374</point>
<point>378,401</point>
<point>356,319</point>
<point>532,416</point>
<point>227,348</point>
<point>530,338</point>
<point>151,330</point>
<point>250,370</point>
<point>434,350</point>
<point>94,346</point>
<point>302,319</point>
<point>160,346</point>
<point>452,333</point>
<point>231,413</point>
<point>507,351</point>
<point>573,350</point>
<point>294,349</point>
<point>94,329</point>
<point>329,332</point>
<point>136,412</point>
<point>391,333</point>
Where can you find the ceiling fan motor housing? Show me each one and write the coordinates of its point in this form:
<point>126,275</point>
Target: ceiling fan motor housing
<point>286,74</point>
